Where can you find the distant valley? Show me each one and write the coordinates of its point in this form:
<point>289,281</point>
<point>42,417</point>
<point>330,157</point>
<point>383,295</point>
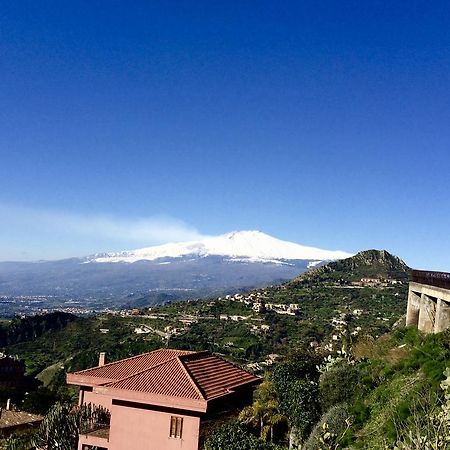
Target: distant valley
<point>248,327</point>
<point>155,275</point>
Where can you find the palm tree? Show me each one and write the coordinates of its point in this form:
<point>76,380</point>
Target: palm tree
<point>264,414</point>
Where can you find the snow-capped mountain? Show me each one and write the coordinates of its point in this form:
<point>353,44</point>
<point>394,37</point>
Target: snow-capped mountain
<point>210,266</point>
<point>250,246</point>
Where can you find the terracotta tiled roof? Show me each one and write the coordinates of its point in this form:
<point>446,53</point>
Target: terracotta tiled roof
<point>173,373</point>
<point>215,376</point>
<point>130,366</point>
<point>167,378</point>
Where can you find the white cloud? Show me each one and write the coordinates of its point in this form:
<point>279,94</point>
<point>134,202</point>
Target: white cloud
<point>146,231</point>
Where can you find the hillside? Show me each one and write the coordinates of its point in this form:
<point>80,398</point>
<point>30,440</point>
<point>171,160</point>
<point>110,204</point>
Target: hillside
<point>366,397</point>
<point>245,326</point>
<point>376,264</point>
<point>33,327</point>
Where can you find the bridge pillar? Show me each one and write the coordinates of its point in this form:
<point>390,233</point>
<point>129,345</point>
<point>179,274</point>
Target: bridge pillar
<point>412,313</point>
<point>427,314</point>
<point>442,316</point>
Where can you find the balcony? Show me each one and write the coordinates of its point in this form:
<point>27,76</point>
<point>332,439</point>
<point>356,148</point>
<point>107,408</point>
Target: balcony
<point>96,436</point>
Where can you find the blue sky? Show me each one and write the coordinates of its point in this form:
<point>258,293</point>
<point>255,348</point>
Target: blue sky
<point>130,124</point>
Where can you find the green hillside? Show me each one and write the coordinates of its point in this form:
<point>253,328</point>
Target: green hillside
<point>360,399</point>
<point>377,264</point>
<point>28,328</point>
<point>56,343</point>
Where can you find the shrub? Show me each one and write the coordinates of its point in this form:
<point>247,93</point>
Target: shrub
<point>338,385</point>
<point>233,436</point>
<point>296,387</point>
<point>334,421</point>
<point>300,404</point>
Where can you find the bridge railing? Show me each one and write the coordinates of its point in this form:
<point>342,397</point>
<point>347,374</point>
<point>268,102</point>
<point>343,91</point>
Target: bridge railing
<point>438,279</point>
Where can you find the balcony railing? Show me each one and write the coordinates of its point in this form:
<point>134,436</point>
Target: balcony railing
<point>98,430</point>
<point>438,279</point>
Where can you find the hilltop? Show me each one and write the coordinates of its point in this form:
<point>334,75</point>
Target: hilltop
<point>374,264</point>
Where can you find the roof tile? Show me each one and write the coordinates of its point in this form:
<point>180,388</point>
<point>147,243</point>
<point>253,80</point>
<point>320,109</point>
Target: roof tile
<point>130,366</point>
<point>173,373</point>
<point>215,376</point>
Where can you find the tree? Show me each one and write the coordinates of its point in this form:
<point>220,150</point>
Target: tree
<point>234,436</point>
<point>264,413</point>
<point>296,386</point>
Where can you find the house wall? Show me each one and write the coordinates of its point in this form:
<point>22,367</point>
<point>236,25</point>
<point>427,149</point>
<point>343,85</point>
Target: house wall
<point>96,399</point>
<point>144,429</point>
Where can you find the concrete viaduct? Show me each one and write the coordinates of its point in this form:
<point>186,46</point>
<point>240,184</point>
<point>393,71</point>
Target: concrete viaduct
<point>429,301</point>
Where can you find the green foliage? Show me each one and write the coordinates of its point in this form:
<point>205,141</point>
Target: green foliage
<point>428,424</point>
<point>295,382</point>
<point>58,430</point>
<point>404,370</point>
<point>28,328</point>
<point>300,404</point>
<point>431,356</point>
<point>233,437</point>
<point>264,414</point>
<point>365,264</point>
<point>339,384</point>
<point>39,401</point>
<point>335,422</point>
<point>300,364</point>
<point>360,412</point>
<point>20,442</point>
<point>62,425</point>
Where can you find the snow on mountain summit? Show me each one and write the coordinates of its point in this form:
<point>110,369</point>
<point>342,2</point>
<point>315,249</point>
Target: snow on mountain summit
<point>239,245</point>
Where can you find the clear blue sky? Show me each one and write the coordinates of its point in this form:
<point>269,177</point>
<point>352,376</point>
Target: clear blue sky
<point>125,124</point>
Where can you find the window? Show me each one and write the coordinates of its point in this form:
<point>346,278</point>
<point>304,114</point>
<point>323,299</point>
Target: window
<point>176,427</point>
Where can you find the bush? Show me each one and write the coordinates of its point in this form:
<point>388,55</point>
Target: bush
<point>335,419</point>
<point>338,385</point>
<point>233,436</point>
<point>300,404</point>
<point>296,387</point>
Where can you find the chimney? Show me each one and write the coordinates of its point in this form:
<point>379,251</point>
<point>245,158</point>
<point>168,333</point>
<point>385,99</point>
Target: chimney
<point>8,404</point>
<point>102,359</point>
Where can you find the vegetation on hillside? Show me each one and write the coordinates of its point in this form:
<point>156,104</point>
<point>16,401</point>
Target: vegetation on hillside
<point>387,393</point>
<point>366,264</point>
<point>29,328</point>
<point>341,373</point>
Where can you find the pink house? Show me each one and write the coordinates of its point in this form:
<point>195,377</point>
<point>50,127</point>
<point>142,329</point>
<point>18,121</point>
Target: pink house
<point>162,400</point>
